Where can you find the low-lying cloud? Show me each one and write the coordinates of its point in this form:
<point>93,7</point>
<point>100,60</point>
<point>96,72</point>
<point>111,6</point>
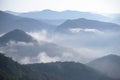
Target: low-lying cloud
<point>80,47</point>
<point>40,58</point>
<point>40,35</point>
<point>77,30</point>
<point>38,53</point>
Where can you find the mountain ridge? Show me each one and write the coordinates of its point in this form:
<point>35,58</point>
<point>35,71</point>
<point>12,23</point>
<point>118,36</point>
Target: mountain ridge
<point>107,64</point>
<point>16,35</point>
<point>67,14</point>
<point>60,70</point>
<point>9,22</point>
<point>87,24</point>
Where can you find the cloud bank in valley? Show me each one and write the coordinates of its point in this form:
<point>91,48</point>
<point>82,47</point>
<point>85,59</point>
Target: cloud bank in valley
<point>77,30</point>
<point>77,47</point>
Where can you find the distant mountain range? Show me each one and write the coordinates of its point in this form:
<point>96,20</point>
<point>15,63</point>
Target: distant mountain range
<point>57,18</point>
<point>12,12</point>
<point>87,24</point>
<point>68,14</point>
<point>11,70</point>
<point>10,22</point>
<point>41,58</point>
<point>109,65</point>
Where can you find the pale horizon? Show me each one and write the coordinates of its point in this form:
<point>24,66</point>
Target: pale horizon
<point>94,6</point>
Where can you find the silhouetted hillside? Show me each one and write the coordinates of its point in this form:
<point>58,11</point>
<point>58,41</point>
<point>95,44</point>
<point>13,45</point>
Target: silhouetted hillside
<point>68,14</point>
<point>86,24</point>
<point>10,70</point>
<point>110,65</point>
<point>15,35</point>
<point>68,71</point>
<point>10,22</point>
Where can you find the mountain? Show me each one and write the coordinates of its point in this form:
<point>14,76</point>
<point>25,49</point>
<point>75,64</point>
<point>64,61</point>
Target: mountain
<point>110,65</point>
<point>19,45</point>
<point>68,14</point>
<point>9,22</point>
<point>12,12</point>
<point>55,22</point>
<point>15,35</point>
<point>57,17</point>
<point>86,24</point>
<point>69,71</point>
<point>11,70</point>
<point>116,19</point>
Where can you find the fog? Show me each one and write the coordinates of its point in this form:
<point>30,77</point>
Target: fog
<point>39,52</point>
<point>81,45</point>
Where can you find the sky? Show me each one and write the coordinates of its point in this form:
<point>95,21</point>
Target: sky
<point>98,6</point>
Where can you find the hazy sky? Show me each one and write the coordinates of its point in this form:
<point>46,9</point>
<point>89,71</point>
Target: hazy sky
<point>98,6</point>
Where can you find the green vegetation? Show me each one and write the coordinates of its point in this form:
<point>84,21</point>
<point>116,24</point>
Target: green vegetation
<point>11,70</point>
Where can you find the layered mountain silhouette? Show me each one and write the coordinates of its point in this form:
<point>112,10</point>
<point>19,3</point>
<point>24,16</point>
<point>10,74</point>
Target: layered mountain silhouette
<point>109,65</point>
<point>86,24</point>
<point>16,35</point>
<point>11,70</point>
<point>11,12</point>
<point>57,18</point>
<point>9,22</point>
<point>23,48</point>
<point>68,14</point>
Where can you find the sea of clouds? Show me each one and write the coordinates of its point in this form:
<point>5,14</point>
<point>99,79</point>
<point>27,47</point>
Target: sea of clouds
<point>83,45</point>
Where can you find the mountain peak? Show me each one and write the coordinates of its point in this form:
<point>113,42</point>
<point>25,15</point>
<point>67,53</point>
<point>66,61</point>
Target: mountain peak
<point>5,14</point>
<point>111,56</point>
<point>87,24</point>
<point>108,65</point>
<point>16,35</point>
<point>108,58</point>
<point>17,31</point>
